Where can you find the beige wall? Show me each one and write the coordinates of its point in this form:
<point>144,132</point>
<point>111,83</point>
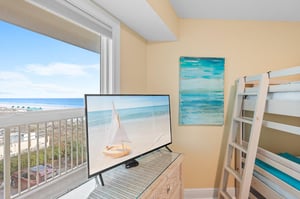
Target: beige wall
<point>164,9</point>
<point>132,62</point>
<point>249,47</point>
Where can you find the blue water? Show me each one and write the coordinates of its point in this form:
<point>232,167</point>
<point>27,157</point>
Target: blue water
<point>197,67</point>
<point>96,118</point>
<point>201,91</point>
<point>40,102</point>
<point>201,108</point>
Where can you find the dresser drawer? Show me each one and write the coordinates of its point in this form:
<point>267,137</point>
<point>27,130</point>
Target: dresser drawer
<point>168,185</point>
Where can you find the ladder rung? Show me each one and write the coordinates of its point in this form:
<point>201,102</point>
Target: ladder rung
<point>253,78</point>
<point>243,119</point>
<point>234,173</point>
<point>225,194</point>
<point>251,89</point>
<point>247,93</point>
<point>239,147</point>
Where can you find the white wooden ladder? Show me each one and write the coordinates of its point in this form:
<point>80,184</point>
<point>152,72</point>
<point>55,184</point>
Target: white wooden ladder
<point>243,176</point>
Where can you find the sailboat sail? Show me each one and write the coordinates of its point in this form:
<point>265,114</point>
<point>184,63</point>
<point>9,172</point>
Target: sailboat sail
<point>118,133</point>
<point>117,147</point>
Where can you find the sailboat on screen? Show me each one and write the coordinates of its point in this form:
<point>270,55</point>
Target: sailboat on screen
<point>118,137</point>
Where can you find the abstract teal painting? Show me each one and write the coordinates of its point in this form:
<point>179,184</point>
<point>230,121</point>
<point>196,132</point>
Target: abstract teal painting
<point>201,91</point>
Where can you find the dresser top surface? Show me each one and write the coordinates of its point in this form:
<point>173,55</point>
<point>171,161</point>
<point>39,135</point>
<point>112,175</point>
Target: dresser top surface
<point>131,183</point>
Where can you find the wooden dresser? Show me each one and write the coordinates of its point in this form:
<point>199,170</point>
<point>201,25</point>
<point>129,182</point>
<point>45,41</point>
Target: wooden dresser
<point>158,176</point>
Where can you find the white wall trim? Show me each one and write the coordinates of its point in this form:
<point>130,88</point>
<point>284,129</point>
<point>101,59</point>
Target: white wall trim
<point>204,193</point>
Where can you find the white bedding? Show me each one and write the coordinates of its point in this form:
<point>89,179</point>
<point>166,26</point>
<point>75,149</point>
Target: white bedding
<point>274,186</point>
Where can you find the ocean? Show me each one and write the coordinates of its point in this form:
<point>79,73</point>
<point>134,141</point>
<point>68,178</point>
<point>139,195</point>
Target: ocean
<point>41,103</point>
<point>96,118</point>
<point>201,108</point>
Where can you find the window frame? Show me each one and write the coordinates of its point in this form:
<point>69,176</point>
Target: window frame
<point>94,18</point>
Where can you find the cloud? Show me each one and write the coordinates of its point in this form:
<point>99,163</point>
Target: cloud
<point>13,84</point>
<point>27,89</point>
<point>61,69</point>
<point>53,90</point>
<point>11,81</point>
<point>63,80</point>
<point>13,76</point>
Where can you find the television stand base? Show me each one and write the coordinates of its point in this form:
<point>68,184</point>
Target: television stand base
<point>101,179</point>
<point>131,163</point>
<point>168,149</point>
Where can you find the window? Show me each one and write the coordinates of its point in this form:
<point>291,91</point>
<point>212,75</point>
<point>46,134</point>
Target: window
<point>78,23</point>
<point>37,66</point>
<point>90,16</point>
<point>81,23</point>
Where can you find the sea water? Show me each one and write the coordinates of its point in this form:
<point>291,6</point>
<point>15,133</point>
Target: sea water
<point>96,118</point>
<point>202,108</point>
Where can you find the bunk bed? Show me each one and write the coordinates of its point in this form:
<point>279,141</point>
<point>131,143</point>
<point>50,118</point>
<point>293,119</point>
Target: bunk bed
<point>276,173</point>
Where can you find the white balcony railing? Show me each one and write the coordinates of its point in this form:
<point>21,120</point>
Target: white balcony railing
<point>38,147</point>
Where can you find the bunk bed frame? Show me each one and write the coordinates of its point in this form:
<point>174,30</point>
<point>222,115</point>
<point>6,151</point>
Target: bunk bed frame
<point>275,175</point>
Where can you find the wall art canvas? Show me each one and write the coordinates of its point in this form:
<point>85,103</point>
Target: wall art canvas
<point>201,91</point>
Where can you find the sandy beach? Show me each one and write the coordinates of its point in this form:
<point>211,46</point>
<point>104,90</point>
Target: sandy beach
<point>145,134</point>
<point>15,107</point>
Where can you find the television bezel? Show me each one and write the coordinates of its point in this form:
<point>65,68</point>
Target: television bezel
<point>132,157</point>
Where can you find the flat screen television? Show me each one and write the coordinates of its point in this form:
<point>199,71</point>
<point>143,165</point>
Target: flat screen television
<point>122,127</point>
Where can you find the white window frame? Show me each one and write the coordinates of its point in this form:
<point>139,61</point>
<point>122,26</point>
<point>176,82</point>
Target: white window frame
<point>89,15</point>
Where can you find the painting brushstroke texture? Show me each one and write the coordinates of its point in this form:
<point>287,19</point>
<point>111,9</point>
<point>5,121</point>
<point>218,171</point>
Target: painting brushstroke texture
<point>201,91</point>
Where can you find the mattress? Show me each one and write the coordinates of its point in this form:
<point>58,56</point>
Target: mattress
<point>280,175</point>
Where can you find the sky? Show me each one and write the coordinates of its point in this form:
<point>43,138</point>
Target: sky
<point>36,66</point>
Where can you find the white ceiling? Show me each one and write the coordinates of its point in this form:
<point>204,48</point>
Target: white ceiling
<point>271,10</point>
<point>139,15</point>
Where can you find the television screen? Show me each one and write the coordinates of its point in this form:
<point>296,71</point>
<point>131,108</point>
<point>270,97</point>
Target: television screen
<point>123,127</point>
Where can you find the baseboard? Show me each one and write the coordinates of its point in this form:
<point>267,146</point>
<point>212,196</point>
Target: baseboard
<point>204,193</point>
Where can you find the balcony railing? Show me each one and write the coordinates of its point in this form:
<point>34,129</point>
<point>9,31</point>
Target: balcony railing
<point>39,147</point>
